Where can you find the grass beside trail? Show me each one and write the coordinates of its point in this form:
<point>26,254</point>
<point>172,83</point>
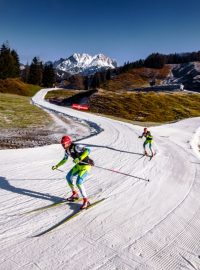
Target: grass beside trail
<point>63,93</point>
<point>140,107</point>
<point>147,107</point>
<point>17,112</point>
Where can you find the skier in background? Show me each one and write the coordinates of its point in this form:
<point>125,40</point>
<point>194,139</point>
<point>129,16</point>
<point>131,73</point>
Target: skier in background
<point>149,140</point>
<point>80,156</point>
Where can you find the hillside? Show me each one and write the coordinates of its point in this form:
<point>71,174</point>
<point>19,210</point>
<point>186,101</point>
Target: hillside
<point>137,77</point>
<point>134,106</point>
<point>17,87</point>
<point>187,74</point>
<point>146,107</point>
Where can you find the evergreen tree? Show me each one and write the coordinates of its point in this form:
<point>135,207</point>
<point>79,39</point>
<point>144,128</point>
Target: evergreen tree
<point>48,76</point>
<point>9,62</point>
<point>25,73</point>
<point>95,83</point>
<point>6,62</point>
<point>102,77</point>
<point>35,72</point>
<point>86,83</point>
<point>16,67</point>
<point>155,60</point>
<point>108,74</point>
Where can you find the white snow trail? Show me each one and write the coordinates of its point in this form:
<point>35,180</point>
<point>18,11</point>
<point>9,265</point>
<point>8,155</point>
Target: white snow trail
<point>140,225</point>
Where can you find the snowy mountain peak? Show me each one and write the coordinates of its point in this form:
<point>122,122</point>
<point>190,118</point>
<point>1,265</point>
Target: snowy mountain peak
<point>85,64</point>
<point>77,57</point>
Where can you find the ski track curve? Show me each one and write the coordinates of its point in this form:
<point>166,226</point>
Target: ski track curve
<point>140,225</point>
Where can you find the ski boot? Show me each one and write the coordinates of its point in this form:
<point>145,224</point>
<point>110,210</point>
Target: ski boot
<point>145,153</point>
<point>85,204</point>
<point>74,197</point>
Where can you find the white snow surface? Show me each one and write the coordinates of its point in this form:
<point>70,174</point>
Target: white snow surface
<point>141,225</point>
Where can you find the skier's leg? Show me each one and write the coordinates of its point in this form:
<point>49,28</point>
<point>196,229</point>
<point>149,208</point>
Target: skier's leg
<point>144,146</point>
<point>69,177</point>
<point>79,182</point>
<point>150,147</point>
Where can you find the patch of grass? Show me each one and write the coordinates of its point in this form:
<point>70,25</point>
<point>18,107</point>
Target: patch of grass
<point>141,107</point>
<point>146,107</point>
<point>17,87</point>
<point>63,93</point>
<point>17,112</point>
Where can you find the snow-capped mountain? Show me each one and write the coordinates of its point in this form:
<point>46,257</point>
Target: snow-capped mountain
<point>84,64</point>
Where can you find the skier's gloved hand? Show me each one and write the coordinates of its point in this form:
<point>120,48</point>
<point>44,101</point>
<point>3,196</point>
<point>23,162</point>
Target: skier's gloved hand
<point>76,160</point>
<point>54,167</point>
<point>91,162</point>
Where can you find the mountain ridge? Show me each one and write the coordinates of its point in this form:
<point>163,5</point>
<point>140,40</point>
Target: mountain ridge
<point>84,64</point>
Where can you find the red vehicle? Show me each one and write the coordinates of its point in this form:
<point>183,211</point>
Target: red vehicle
<point>80,107</point>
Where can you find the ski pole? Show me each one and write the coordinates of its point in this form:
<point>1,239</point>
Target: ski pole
<point>115,171</point>
<point>130,175</point>
<point>111,170</point>
<point>60,170</point>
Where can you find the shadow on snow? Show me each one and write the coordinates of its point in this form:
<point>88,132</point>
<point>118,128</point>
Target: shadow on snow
<point>4,184</point>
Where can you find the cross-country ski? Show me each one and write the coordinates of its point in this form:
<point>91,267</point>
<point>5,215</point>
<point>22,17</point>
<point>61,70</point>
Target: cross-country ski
<point>68,218</point>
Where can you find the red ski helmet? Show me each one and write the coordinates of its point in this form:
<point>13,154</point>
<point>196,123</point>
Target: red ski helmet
<point>66,140</point>
<point>145,129</point>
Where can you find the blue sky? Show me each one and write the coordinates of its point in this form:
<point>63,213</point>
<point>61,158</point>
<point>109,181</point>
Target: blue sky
<point>124,30</point>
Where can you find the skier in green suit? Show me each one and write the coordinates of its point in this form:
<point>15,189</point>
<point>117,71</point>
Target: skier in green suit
<point>82,166</point>
<point>148,140</point>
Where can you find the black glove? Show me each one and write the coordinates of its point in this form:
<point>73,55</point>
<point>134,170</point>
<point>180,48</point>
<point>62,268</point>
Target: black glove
<point>91,162</point>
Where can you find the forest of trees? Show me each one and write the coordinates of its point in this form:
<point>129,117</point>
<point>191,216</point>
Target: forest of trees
<point>39,74</point>
<point>157,60</point>
<point>9,62</point>
<point>44,74</point>
<point>36,73</point>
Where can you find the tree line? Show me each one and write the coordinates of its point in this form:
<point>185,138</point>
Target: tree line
<point>157,60</point>
<point>36,73</point>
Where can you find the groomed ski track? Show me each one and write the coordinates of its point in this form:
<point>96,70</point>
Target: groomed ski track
<point>141,225</point>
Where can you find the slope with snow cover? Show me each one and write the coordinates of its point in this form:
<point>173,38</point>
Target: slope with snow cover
<point>140,225</point>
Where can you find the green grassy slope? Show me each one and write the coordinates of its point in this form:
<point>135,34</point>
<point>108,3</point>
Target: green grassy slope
<point>151,107</point>
<point>17,112</point>
<point>16,86</point>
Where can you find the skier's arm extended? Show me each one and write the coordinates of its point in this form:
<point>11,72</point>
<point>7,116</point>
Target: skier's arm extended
<point>140,137</point>
<point>60,163</point>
